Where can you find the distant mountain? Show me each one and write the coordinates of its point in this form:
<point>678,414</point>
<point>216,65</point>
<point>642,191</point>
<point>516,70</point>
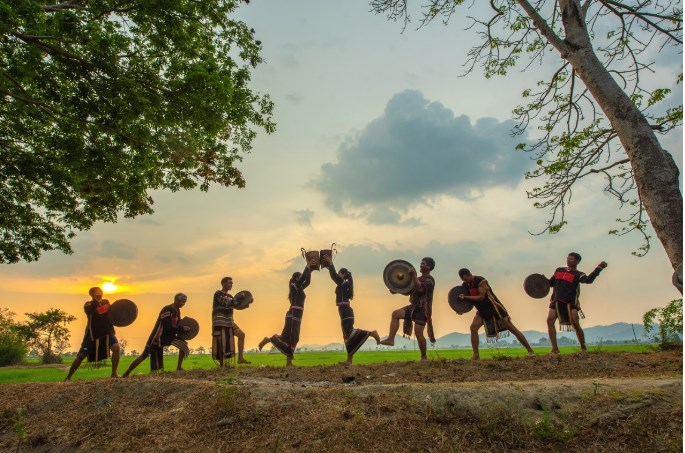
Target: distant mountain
<point>620,332</point>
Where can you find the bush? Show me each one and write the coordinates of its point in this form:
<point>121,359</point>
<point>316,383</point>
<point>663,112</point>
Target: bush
<point>670,319</point>
<point>12,350</point>
<point>12,346</point>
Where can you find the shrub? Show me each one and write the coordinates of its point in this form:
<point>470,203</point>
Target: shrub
<point>670,319</point>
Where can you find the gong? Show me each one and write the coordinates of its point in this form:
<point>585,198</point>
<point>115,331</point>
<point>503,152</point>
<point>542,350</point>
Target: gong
<point>461,306</point>
<point>194,328</point>
<point>122,313</point>
<point>396,277</point>
<point>536,286</point>
<point>242,300</point>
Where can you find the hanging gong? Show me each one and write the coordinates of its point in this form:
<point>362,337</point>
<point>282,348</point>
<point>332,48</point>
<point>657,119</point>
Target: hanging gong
<point>194,328</point>
<point>461,306</point>
<point>122,313</point>
<point>242,300</point>
<point>536,286</point>
<point>396,276</point>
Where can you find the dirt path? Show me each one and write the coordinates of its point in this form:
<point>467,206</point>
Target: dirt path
<point>588,402</point>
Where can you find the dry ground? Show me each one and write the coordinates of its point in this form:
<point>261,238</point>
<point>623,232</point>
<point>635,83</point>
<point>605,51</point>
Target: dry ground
<point>581,402</point>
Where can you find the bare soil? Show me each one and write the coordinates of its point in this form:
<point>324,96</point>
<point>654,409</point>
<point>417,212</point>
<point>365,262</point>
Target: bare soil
<point>581,402</point>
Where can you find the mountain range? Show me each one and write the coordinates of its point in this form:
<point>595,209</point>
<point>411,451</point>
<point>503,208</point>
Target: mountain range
<point>620,332</point>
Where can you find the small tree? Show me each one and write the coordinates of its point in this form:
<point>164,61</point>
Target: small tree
<point>122,345</point>
<point>670,320</point>
<point>12,346</point>
<point>47,333</point>
<point>201,350</point>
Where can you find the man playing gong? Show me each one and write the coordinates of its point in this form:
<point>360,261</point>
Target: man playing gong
<point>224,328</point>
<point>165,333</point>
<point>419,310</point>
<point>99,338</point>
<point>565,300</point>
<point>489,312</point>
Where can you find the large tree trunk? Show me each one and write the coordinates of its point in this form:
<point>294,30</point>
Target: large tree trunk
<point>655,172</point>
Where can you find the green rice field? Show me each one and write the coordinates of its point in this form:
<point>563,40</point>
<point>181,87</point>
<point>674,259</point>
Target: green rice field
<point>33,372</point>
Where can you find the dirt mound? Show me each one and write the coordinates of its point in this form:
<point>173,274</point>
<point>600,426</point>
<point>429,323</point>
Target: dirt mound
<point>583,402</point>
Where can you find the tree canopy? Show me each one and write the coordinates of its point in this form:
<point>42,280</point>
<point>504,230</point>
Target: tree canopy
<point>102,102</point>
<point>598,112</point>
<point>47,332</point>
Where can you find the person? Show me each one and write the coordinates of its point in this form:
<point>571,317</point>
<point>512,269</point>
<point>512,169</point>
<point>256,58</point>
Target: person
<point>565,301</point>
<point>286,342</point>
<point>99,338</point>
<point>419,310</point>
<point>489,312</point>
<point>165,333</point>
<point>224,328</point>
<point>344,292</point>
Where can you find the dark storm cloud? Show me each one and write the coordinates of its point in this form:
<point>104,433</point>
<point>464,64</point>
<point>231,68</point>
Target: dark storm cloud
<point>415,151</point>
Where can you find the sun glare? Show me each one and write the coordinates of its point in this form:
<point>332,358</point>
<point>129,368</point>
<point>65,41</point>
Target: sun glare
<point>109,287</point>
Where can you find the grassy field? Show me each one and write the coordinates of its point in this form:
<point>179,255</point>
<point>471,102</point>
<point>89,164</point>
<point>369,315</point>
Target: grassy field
<point>33,372</point>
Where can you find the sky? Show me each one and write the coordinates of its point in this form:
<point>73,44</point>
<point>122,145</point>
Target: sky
<point>383,149</point>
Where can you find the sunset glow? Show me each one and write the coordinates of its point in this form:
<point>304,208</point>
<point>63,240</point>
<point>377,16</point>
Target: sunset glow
<point>109,287</point>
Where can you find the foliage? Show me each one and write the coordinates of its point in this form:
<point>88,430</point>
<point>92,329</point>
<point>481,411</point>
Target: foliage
<point>670,320</point>
<point>103,102</point>
<point>47,332</point>
<point>575,139</point>
<point>12,345</point>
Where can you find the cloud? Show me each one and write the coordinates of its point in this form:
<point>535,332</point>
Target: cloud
<point>116,249</point>
<point>304,217</point>
<point>418,150</point>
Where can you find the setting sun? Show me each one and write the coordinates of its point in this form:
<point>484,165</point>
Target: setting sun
<point>109,287</point>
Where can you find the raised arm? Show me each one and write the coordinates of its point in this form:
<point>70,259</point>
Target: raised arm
<point>304,279</point>
<point>593,275</point>
<point>334,275</point>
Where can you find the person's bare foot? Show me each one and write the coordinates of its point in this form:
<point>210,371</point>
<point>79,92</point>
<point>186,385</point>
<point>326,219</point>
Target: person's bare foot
<point>387,342</point>
<point>531,354</point>
<point>345,363</point>
<point>263,342</point>
<point>374,334</point>
<point>553,352</point>
<point>114,376</point>
<point>475,357</point>
<point>246,362</point>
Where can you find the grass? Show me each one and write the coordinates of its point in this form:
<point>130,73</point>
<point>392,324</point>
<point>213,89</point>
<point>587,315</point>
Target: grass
<point>33,372</point>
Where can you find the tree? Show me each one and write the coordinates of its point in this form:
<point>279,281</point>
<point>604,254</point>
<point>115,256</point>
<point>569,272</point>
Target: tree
<point>200,350</point>
<point>597,115</point>
<point>12,345</point>
<point>103,102</point>
<point>670,320</point>
<point>47,332</point>
<point>123,342</point>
